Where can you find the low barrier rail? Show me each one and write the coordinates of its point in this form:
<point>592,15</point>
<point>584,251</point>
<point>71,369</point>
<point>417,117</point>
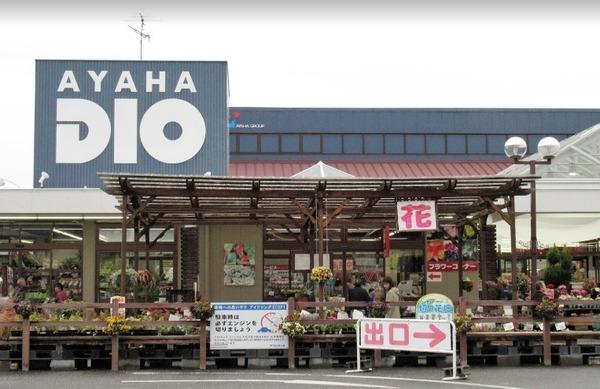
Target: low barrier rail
<point>484,312</point>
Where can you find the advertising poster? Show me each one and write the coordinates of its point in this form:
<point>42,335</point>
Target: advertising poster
<point>248,326</point>
<point>239,264</point>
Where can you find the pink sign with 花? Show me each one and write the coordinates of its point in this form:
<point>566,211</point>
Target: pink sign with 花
<point>416,216</point>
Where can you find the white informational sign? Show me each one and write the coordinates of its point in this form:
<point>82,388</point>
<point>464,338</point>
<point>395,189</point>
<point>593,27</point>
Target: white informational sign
<point>120,300</point>
<point>406,335</point>
<point>416,216</point>
<point>434,276</point>
<point>242,326</point>
<point>302,261</point>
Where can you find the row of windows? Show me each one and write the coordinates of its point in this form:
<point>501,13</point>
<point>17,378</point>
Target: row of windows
<point>409,144</point>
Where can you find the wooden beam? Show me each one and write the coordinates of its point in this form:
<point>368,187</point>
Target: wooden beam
<point>162,233</point>
<point>306,212</point>
<point>336,212</point>
<point>140,209</point>
<point>498,210</point>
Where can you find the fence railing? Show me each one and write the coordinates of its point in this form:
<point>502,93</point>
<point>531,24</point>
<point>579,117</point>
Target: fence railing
<point>484,311</point>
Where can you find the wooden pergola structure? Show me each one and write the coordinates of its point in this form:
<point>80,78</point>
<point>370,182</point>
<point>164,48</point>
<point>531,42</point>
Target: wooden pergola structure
<point>302,209</point>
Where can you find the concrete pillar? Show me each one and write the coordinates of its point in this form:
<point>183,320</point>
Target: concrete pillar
<point>89,261</point>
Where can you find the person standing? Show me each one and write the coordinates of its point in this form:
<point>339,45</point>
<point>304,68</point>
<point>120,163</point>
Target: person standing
<point>392,295</point>
<point>20,290</point>
<point>359,294</point>
<point>60,295</point>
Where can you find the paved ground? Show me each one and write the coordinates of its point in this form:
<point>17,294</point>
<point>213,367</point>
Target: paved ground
<point>390,378</point>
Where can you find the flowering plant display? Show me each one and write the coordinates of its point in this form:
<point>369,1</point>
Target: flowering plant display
<point>523,284</point>
<point>321,274</point>
<point>24,309</point>
<point>590,285</point>
<point>202,310</point>
<point>291,326</point>
<point>463,323</point>
<point>547,309</point>
<point>116,325</point>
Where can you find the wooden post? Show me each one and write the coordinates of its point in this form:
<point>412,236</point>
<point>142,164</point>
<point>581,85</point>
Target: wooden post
<point>114,360</point>
<point>25,341</point>
<point>322,299</point>
<point>123,245</point>
<point>547,343</point>
<point>292,343</point>
<point>203,345</point>
<point>462,308</point>
<point>460,261</point>
<point>483,256</point>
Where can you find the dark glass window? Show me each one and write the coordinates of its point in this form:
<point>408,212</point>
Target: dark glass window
<point>394,144</point>
<point>332,144</point>
<point>269,143</point>
<point>352,144</point>
<point>248,143</point>
<point>232,143</point>
<point>436,144</point>
<point>476,144</point>
<point>496,144</point>
<point>290,143</point>
<point>456,144</point>
<point>415,144</point>
<point>311,143</point>
<point>532,142</point>
<point>373,144</point>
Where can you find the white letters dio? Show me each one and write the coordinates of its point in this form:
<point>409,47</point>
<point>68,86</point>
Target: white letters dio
<point>71,112</point>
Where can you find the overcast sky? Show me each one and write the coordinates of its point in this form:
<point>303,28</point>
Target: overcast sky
<point>306,54</point>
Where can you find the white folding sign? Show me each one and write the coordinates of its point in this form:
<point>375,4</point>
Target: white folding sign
<point>408,335</point>
<point>416,215</point>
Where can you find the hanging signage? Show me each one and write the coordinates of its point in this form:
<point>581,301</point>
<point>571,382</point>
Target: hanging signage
<point>452,266</point>
<point>434,306</point>
<point>243,326</point>
<point>416,216</point>
<point>135,116</point>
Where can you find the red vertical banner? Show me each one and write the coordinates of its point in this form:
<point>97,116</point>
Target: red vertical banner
<point>386,241</point>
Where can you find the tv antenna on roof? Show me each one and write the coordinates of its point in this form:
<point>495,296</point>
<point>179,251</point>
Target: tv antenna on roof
<point>141,33</point>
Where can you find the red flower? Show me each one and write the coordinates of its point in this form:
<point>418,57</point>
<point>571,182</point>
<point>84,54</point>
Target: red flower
<point>550,286</point>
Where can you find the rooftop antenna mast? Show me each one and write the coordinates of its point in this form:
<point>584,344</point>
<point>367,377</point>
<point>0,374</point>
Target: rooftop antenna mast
<point>141,33</point>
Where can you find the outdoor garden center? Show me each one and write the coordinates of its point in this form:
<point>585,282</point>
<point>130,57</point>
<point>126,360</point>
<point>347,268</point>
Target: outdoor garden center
<point>240,247</point>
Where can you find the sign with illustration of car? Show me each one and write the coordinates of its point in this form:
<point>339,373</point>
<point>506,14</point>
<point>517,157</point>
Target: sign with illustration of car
<point>241,326</point>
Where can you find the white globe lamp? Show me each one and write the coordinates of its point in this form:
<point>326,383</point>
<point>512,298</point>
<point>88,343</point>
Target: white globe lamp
<point>548,147</point>
<point>515,147</point>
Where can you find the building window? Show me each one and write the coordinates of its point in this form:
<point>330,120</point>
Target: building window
<point>436,144</point>
<point>233,144</point>
<point>415,144</point>
<point>269,143</point>
<point>248,143</point>
<point>290,143</point>
<point>476,144</point>
<point>373,144</point>
<point>311,143</point>
<point>496,144</point>
<point>353,144</point>
<point>456,144</point>
<point>394,144</point>
<point>332,144</point>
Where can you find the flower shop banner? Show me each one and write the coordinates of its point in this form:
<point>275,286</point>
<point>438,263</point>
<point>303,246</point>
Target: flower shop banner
<point>416,216</point>
<point>241,326</point>
<point>239,264</point>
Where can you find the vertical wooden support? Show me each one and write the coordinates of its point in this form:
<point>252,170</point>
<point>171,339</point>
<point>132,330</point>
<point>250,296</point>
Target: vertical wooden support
<point>460,261</point>
<point>376,358</point>
<point>320,214</point>
<point>513,256</point>
<point>292,343</point>
<point>547,344</point>
<point>114,360</point>
<point>483,256</point>
<point>25,342</point>
<point>203,345</point>
<point>462,308</point>
<point>123,245</point>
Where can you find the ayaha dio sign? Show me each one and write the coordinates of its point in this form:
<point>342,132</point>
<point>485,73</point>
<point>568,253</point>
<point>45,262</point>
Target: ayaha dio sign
<point>129,116</point>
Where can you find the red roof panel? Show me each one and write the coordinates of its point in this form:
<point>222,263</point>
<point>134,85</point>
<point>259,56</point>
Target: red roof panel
<point>371,168</point>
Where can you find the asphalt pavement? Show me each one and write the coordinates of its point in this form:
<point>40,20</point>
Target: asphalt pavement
<point>383,378</point>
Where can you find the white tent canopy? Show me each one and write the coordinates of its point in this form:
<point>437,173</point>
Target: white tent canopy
<point>322,170</point>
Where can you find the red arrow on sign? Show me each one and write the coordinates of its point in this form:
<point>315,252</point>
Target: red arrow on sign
<point>433,276</point>
<point>436,335</point>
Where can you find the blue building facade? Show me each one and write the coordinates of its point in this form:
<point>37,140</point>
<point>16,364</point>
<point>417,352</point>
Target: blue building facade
<point>272,134</point>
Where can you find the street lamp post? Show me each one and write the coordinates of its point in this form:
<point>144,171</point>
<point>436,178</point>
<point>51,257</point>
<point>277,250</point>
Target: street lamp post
<point>515,148</point>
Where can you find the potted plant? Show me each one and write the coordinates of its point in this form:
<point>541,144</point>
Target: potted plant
<point>547,309</point>
<point>467,284</point>
<point>116,325</point>
<point>292,327</point>
<point>463,323</point>
<point>24,309</point>
<point>202,310</point>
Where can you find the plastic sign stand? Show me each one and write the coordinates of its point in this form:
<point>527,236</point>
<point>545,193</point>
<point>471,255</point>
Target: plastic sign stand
<point>431,336</point>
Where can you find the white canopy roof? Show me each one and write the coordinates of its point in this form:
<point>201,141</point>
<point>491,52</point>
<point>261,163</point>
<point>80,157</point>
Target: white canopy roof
<point>322,170</point>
